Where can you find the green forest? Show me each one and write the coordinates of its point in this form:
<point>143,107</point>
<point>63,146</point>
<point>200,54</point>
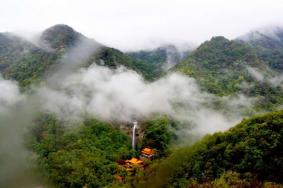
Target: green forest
<point>91,151</point>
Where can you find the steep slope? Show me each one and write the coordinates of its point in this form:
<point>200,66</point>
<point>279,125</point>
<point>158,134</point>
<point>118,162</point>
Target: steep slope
<point>220,65</point>
<point>225,67</point>
<point>85,156</point>
<point>159,60</point>
<point>252,148</point>
<point>11,49</point>
<point>268,45</point>
<point>23,61</point>
<point>61,36</point>
<point>271,37</point>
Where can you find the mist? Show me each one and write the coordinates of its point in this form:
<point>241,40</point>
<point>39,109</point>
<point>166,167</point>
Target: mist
<point>17,112</point>
<point>113,95</point>
<point>144,24</point>
<point>122,95</point>
<point>273,78</point>
<point>9,95</point>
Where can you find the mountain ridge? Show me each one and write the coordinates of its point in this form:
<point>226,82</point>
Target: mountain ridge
<point>54,43</point>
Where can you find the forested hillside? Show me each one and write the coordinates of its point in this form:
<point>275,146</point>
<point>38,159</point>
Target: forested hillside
<point>159,60</point>
<point>246,155</point>
<point>85,156</point>
<point>268,45</point>
<point>225,67</point>
<point>28,63</point>
<point>143,125</point>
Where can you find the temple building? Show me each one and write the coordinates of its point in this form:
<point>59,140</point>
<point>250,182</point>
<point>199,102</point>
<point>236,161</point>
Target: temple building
<point>147,153</point>
<point>132,163</point>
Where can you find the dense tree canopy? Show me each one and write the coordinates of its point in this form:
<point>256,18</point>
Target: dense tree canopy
<point>254,146</point>
<point>222,67</point>
<point>85,156</point>
<point>158,134</point>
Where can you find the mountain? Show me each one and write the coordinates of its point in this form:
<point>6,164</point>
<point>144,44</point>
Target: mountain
<point>220,66</point>
<point>11,47</point>
<point>78,158</point>
<point>268,44</point>
<point>87,152</point>
<point>61,36</point>
<point>27,63</point>
<point>244,156</point>
<point>21,60</point>
<point>271,37</point>
<point>159,60</point>
<point>225,67</point>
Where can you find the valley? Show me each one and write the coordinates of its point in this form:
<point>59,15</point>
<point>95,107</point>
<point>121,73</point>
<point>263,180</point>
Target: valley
<point>88,115</point>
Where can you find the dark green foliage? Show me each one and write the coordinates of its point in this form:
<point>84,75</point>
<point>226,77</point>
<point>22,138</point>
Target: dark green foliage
<point>151,61</point>
<point>149,71</point>
<point>272,57</point>
<point>158,56</point>
<point>255,146</point>
<point>158,134</point>
<point>60,36</point>
<point>231,179</point>
<point>221,67</point>
<point>23,61</point>
<point>111,57</point>
<point>11,49</point>
<point>84,156</point>
<point>31,67</point>
<point>269,47</point>
<point>155,63</point>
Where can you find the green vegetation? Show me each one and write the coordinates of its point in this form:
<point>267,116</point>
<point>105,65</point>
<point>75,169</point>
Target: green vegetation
<point>26,63</point>
<point>232,179</point>
<point>268,48</point>
<point>254,146</point>
<point>85,156</point>
<point>153,62</point>
<point>249,154</point>
<point>31,67</point>
<point>158,134</point>
<point>11,48</point>
<point>221,67</point>
<point>61,36</point>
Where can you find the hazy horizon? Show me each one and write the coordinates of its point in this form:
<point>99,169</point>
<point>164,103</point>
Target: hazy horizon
<point>132,25</point>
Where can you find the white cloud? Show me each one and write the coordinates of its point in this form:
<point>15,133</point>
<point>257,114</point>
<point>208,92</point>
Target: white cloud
<point>129,24</point>
<point>122,95</point>
<point>271,77</point>
<point>9,94</point>
<point>256,74</point>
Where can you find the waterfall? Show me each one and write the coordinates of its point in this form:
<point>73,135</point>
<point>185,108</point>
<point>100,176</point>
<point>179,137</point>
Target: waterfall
<point>135,124</point>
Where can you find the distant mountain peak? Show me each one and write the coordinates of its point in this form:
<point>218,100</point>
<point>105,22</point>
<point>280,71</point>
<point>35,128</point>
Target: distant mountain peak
<point>219,38</point>
<point>60,36</point>
<point>268,37</point>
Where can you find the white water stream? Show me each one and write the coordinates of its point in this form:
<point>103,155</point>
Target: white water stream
<point>135,124</point>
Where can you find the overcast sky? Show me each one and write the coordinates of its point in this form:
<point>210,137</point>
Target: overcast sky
<point>134,24</point>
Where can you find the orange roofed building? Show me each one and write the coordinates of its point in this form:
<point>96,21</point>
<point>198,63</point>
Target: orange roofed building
<point>147,153</point>
<point>133,162</point>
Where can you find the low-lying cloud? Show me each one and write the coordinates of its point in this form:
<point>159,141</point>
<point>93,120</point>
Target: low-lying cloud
<point>123,95</point>
<point>9,95</point>
<point>271,77</point>
<point>119,95</point>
